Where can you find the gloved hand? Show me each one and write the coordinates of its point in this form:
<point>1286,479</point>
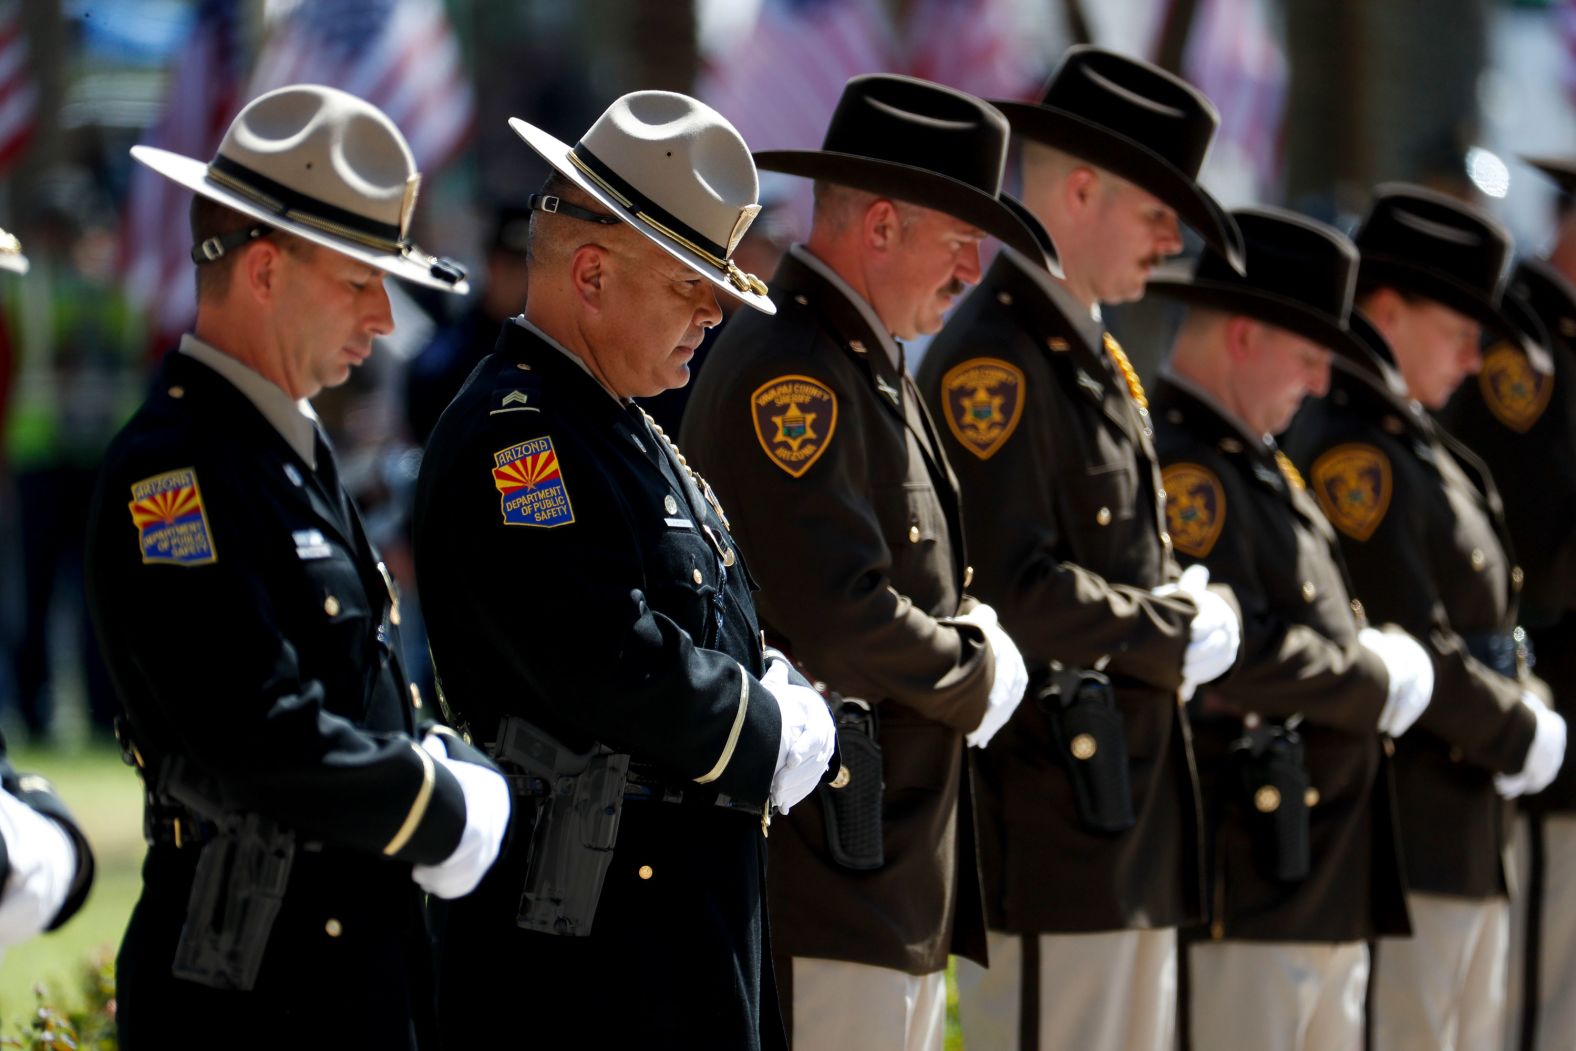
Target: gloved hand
<point>1216,631</point>
<point>808,735</point>
<point>42,862</point>
<point>486,819</point>
<point>1012,678</point>
<point>1411,675</point>
<point>1543,758</point>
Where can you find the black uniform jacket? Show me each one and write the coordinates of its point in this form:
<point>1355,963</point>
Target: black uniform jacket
<point>249,628</point>
<point>1062,497</point>
<point>1522,421</point>
<point>1424,541</point>
<point>822,453</point>
<point>573,575</point>
<point>39,794</point>
<point>1232,506</point>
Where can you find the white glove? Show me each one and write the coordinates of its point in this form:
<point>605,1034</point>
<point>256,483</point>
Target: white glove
<point>1543,758</point>
<point>808,736</point>
<point>43,864</point>
<point>1216,630</point>
<point>486,819</point>
<point>1012,678</point>
<point>1411,675</point>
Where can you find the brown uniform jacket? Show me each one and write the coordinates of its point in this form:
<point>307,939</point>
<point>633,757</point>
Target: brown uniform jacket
<point>1232,507</point>
<point>1523,423</point>
<point>1426,548</point>
<point>818,447</point>
<point>1062,499</point>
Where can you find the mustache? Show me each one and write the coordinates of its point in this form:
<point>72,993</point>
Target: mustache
<point>954,287</point>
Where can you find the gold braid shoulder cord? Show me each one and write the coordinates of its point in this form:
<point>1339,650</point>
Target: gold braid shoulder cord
<point>1130,374</point>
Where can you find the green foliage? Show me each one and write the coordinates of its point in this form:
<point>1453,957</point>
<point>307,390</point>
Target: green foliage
<point>89,1027</point>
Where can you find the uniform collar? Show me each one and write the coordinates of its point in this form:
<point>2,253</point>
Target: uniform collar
<point>1209,401</point>
<point>867,312</point>
<point>293,418</point>
<point>1087,320</point>
<point>519,319</point>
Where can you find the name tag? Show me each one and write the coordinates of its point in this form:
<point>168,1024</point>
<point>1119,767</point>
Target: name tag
<point>680,523</point>
<point>310,544</point>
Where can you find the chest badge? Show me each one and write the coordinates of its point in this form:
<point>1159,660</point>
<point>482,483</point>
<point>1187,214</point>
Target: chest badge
<point>530,485</point>
<point>1513,391</point>
<point>1195,508</point>
<point>983,398</point>
<point>794,419</point>
<point>172,524</point>
<point>1353,485</point>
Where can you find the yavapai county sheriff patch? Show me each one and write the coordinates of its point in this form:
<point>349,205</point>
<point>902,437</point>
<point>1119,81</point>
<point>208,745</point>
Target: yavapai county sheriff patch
<point>984,401</point>
<point>1513,390</point>
<point>530,485</point>
<point>172,525</point>
<point>794,420</point>
<point>1195,508</point>
<point>1353,485</point>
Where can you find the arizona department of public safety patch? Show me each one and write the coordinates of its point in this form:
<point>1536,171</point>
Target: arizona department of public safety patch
<point>1513,390</point>
<point>1352,483</point>
<point>984,402</point>
<point>1195,507</point>
<point>530,485</point>
<point>794,420</point>
<point>172,524</point>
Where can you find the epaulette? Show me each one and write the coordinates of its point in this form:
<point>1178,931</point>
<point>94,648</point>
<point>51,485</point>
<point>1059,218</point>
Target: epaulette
<point>518,389</point>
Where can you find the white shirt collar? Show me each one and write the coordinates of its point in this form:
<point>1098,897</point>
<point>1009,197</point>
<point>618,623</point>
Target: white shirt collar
<point>293,418</point>
<point>866,311</point>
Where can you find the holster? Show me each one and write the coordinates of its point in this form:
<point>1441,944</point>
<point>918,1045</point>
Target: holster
<point>1273,775</point>
<point>851,803</point>
<point>1086,727</point>
<point>575,827</point>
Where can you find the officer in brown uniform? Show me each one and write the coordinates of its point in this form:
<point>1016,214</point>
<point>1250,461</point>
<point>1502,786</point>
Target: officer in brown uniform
<point>815,438</point>
<point>1090,858</point>
<point>1421,529</point>
<point>1303,862</point>
<point>1520,416</point>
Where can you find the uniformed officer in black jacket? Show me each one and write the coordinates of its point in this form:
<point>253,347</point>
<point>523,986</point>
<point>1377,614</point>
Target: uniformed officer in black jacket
<point>294,815</point>
<point>581,586</point>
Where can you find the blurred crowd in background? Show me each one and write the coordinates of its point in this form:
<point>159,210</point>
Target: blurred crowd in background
<point>1319,100</point>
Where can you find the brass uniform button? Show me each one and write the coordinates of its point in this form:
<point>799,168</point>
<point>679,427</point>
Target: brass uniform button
<point>415,696</point>
<point>1267,799</point>
<point>1309,592</point>
<point>913,534</point>
<point>331,606</point>
<point>801,300</point>
<point>177,392</point>
<point>523,367</point>
<point>670,505</point>
<point>1083,747</point>
<point>1004,298</point>
<point>1479,560</point>
<point>968,575</point>
<point>696,576</point>
<point>1311,797</point>
<point>1516,577</point>
<point>644,872</point>
<point>1389,746</point>
<point>1393,425</point>
<point>1057,344</point>
<point>1103,516</point>
<point>1230,445</point>
<point>844,775</point>
<point>333,928</point>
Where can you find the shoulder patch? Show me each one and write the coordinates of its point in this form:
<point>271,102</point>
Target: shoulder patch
<point>794,420</point>
<point>1195,507</point>
<point>1353,485</point>
<point>1513,390</point>
<point>983,399</point>
<point>172,524</point>
<point>531,490</point>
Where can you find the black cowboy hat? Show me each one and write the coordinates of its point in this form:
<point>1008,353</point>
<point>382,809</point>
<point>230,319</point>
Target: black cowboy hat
<point>1138,122</point>
<point>1424,243</point>
<point>1300,277</point>
<point>915,141</point>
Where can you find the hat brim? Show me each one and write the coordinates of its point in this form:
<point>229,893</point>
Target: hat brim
<point>1406,276</point>
<point>928,189</point>
<point>1135,162</point>
<point>1280,311</point>
<point>415,267</point>
<point>556,153</point>
<point>14,262</point>
<point>1561,169</point>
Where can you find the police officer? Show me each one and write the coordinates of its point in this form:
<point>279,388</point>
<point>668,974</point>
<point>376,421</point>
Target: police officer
<point>294,815</point>
<point>1420,526</point>
<point>816,438</point>
<point>1519,414</point>
<point>1302,863</point>
<point>1049,429</point>
<point>583,588</point>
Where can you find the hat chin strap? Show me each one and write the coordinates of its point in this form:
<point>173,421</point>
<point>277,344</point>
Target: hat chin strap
<point>213,248</point>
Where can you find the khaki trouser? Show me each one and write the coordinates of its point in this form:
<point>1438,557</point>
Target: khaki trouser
<point>855,1006</point>
<point>1113,991</point>
<point>1556,996</point>
<point>1277,996</point>
<point>1443,989</point>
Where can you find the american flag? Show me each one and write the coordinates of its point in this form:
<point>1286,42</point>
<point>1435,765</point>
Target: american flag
<point>18,92</point>
<point>399,55</point>
<point>156,265</point>
<point>977,45</point>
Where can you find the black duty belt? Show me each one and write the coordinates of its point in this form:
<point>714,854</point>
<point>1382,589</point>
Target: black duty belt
<point>174,825</point>
<point>643,785</point>
<point>1507,652</point>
